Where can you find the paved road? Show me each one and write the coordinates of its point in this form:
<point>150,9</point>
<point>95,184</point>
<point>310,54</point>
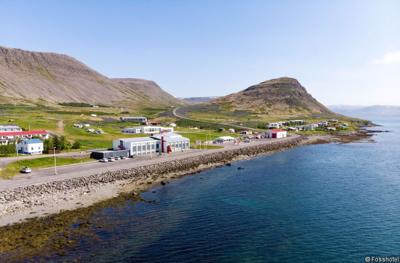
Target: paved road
<point>181,116</point>
<point>85,169</point>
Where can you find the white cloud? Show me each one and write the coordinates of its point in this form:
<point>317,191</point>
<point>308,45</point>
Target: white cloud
<point>389,58</point>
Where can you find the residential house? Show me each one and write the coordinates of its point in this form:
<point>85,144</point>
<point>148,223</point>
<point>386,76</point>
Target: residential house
<point>276,134</point>
<point>30,146</point>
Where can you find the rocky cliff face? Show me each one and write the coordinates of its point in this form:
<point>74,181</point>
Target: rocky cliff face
<point>38,76</point>
<point>282,95</point>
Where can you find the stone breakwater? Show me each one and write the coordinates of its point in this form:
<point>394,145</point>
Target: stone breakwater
<point>21,198</point>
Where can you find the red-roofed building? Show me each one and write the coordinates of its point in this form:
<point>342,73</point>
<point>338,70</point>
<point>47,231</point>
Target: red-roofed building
<point>6,137</point>
<point>276,133</point>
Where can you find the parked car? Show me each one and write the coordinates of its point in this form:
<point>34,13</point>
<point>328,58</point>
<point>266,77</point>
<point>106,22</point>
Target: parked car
<point>123,157</point>
<point>104,160</point>
<point>26,170</point>
<point>111,159</point>
<point>116,158</point>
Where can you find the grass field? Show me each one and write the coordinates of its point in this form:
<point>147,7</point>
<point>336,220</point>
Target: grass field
<point>14,168</point>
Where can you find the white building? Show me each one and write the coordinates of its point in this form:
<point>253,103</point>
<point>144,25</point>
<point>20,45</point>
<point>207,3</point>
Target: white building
<point>147,129</point>
<point>231,130</point>
<point>224,139</point>
<point>10,128</point>
<point>171,142</point>
<point>172,125</point>
<point>134,119</point>
<point>136,146</point>
<point>276,134</point>
<point>30,146</point>
<point>274,125</point>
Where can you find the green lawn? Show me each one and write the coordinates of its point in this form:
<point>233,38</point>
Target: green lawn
<point>13,168</point>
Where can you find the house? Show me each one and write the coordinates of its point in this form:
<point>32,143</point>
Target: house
<point>224,139</point>
<point>6,137</point>
<point>231,130</point>
<point>331,129</point>
<point>246,132</point>
<point>147,129</point>
<point>136,146</point>
<point>78,125</point>
<point>323,124</point>
<point>172,125</point>
<point>274,125</point>
<point>171,142</point>
<point>276,134</point>
<point>86,125</point>
<point>30,146</point>
<point>134,119</point>
<point>9,128</point>
<point>93,115</point>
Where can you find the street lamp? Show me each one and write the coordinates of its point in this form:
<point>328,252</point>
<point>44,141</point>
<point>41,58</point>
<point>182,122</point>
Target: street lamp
<point>55,162</point>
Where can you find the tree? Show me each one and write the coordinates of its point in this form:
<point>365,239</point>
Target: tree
<point>48,145</point>
<point>76,145</point>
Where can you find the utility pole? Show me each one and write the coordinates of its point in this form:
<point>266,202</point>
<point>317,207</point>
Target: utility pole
<point>55,162</point>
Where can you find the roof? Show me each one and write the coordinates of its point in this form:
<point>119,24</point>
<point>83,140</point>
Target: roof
<point>33,141</point>
<point>167,135</point>
<point>138,139</point>
<point>9,126</point>
<point>277,130</point>
<point>19,133</point>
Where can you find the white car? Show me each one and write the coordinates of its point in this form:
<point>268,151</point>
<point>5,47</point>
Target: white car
<point>104,160</point>
<point>26,170</point>
<point>111,160</point>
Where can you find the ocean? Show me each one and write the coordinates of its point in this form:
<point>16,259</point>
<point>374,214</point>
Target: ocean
<point>317,203</point>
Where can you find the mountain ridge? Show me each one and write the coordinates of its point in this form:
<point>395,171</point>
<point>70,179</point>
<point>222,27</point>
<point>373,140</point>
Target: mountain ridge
<point>54,78</point>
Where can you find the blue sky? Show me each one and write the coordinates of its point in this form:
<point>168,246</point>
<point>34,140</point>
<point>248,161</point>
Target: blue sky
<point>343,52</point>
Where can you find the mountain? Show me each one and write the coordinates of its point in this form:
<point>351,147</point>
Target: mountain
<point>282,96</point>
<point>38,76</point>
<point>149,90</point>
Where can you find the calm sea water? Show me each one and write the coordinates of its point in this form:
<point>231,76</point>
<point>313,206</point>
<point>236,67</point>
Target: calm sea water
<point>319,203</point>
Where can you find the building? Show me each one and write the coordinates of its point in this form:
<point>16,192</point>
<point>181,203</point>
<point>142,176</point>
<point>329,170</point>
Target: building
<point>172,125</point>
<point>30,146</point>
<point>171,142</point>
<point>274,125</point>
<point>231,130</point>
<point>9,128</point>
<point>147,129</point>
<point>6,137</point>
<point>224,139</point>
<point>134,119</point>
<point>136,146</point>
<point>246,132</point>
<point>109,154</point>
<point>276,134</point>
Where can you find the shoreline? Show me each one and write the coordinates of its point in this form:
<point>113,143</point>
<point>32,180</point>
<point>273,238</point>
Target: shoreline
<point>36,201</point>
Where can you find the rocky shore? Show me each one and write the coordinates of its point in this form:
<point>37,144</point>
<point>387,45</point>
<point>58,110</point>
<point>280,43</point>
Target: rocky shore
<point>35,200</point>
<point>52,197</point>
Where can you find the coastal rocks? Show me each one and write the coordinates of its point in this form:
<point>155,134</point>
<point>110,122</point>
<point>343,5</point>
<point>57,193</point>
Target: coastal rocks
<point>37,195</point>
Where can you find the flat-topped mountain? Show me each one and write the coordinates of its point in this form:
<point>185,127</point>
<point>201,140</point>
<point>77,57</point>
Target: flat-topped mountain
<point>54,78</point>
<point>149,90</point>
<point>282,95</point>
